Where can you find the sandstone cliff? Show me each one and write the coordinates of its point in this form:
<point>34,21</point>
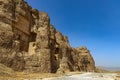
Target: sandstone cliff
<point>28,42</point>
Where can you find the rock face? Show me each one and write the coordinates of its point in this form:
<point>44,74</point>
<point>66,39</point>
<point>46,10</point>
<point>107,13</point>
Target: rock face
<point>28,42</point>
<point>85,61</point>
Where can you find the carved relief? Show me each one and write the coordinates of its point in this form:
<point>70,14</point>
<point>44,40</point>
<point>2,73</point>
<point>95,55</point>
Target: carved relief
<point>49,50</point>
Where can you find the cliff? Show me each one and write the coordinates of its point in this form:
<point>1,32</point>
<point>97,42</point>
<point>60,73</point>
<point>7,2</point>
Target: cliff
<point>28,42</point>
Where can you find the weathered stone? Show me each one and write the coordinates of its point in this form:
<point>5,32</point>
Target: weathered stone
<point>13,60</point>
<point>35,20</point>
<point>43,35</point>
<point>28,42</point>
<point>85,61</point>
<point>6,10</point>
<point>39,62</point>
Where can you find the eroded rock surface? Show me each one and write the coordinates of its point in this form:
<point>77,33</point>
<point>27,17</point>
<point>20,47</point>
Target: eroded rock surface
<point>28,42</point>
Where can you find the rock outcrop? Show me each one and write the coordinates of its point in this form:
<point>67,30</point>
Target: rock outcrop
<point>83,59</point>
<point>28,42</point>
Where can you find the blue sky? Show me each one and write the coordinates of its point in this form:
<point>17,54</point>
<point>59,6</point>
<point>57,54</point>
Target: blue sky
<point>91,23</point>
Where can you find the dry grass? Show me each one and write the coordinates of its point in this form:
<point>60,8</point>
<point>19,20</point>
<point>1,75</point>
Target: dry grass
<point>22,76</point>
<point>32,76</point>
<point>8,74</point>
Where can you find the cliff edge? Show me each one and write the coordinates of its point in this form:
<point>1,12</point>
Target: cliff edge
<point>28,42</point>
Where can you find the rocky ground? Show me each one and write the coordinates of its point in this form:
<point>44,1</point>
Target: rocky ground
<point>7,73</point>
<point>68,76</point>
<point>89,76</point>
